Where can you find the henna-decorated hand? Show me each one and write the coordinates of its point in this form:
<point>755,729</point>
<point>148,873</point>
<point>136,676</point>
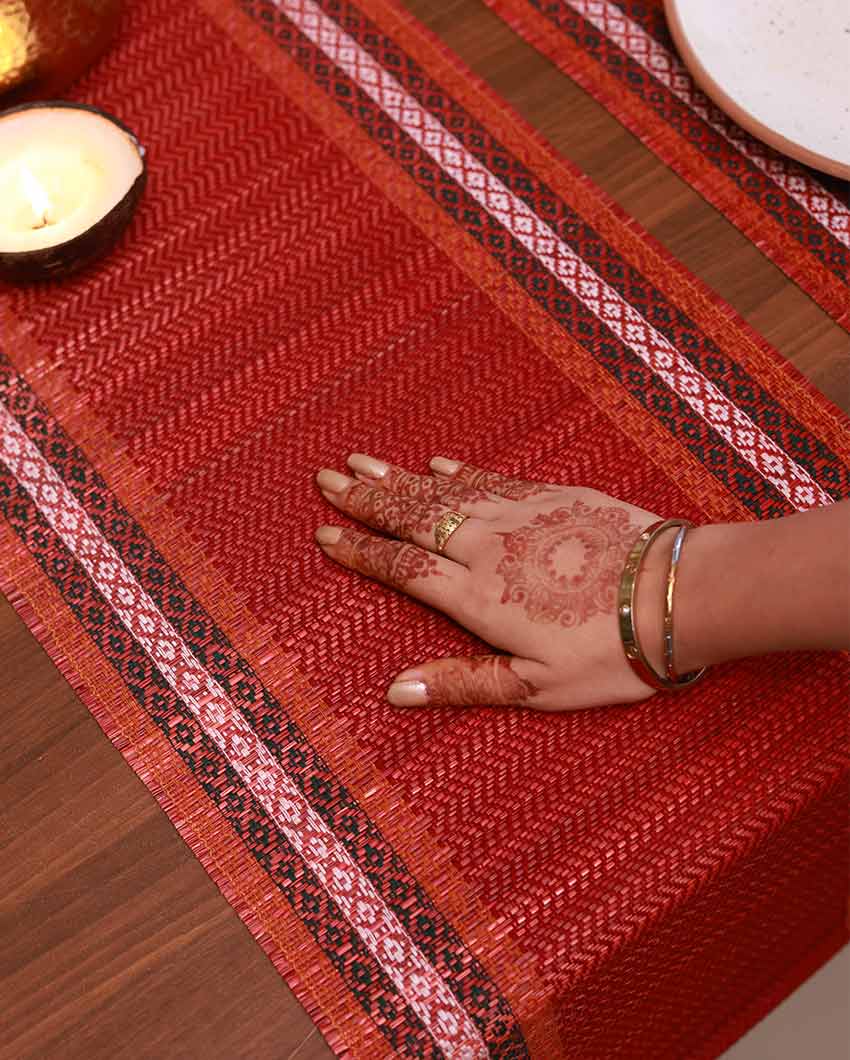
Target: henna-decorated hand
<point>533,570</point>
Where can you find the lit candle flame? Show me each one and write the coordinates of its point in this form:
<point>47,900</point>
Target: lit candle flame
<point>37,195</point>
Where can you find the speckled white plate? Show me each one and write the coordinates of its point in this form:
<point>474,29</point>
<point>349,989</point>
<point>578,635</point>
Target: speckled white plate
<point>779,68</point>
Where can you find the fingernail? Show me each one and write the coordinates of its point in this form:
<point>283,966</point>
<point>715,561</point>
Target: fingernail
<point>333,481</point>
<point>367,465</point>
<point>412,673</point>
<point>328,535</point>
<point>408,693</point>
<point>443,466</point>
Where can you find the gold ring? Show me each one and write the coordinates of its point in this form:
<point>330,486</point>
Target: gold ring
<point>446,526</point>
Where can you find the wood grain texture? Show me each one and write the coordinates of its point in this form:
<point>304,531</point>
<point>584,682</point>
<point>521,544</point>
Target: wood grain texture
<point>115,942</point>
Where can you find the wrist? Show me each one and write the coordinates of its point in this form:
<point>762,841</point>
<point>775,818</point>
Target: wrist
<point>749,589</point>
<point>701,604</point>
<point>754,588</point>
<point>732,598</point>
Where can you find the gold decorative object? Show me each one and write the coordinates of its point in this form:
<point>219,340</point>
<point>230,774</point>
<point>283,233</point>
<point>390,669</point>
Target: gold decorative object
<point>446,526</point>
<point>47,44</point>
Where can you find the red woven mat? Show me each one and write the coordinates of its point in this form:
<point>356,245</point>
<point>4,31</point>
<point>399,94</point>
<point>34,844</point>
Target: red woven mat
<point>347,243</point>
<point>621,52</point>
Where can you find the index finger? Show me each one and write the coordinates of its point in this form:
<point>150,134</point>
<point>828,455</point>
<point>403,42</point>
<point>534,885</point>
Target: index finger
<point>467,476</point>
<point>426,488</point>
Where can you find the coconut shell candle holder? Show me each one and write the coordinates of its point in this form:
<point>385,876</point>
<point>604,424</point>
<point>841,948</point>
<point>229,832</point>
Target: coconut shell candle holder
<point>70,178</point>
<point>46,44</point>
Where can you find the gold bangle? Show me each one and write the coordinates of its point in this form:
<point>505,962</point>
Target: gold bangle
<point>626,610</point>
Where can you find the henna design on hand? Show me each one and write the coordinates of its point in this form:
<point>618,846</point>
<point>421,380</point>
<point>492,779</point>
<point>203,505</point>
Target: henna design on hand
<point>391,562</point>
<point>565,565</point>
<point>489,679</point>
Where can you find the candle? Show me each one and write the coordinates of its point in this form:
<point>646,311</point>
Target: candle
<point>70,178</point>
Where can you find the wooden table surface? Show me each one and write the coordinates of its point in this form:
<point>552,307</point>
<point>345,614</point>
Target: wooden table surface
<point>115,943</point>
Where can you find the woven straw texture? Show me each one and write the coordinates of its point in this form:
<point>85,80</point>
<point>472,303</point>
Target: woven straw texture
<point>621,52</point>
<point>349,243</point>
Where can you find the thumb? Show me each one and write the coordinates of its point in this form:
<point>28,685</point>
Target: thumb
<point>465,682</point>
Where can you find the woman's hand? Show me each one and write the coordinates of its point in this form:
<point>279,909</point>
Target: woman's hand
<point>534,570</point>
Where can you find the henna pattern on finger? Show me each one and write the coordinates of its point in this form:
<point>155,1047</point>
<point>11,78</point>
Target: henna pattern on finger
<point>489,679</point>
<point>564,567</point>
<point>392,562</point>
<point>391,513</point>
<point>430,489</point>
<point>515,489</point>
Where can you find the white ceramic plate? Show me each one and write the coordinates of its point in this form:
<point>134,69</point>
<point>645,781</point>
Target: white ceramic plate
<point>779,68</point>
